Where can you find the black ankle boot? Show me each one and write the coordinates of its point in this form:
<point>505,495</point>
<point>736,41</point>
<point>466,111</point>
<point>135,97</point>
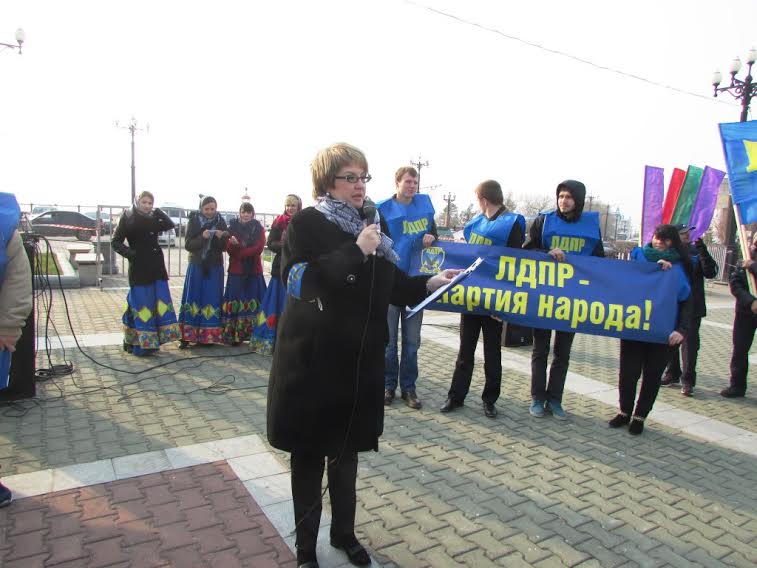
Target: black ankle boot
<point>620,420</point>
<point>637,425</point>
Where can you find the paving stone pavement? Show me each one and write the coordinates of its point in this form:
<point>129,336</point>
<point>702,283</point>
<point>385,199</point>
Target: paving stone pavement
<point>444,490</point>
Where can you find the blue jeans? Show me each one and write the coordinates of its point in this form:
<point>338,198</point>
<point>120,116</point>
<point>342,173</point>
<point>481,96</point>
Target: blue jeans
<point>405,369</point>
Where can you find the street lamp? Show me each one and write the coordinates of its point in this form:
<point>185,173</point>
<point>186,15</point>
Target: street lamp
<point>739,89</point>
<point>20,39</point>
<point>132,128</point>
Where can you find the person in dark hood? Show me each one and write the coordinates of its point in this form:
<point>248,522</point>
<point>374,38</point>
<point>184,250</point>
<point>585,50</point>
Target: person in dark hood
<point>566,231</point>
<point>744,324</point>
<point>702,266</point>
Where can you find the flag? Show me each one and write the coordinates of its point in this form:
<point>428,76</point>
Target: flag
<point>671,197</point>
<point>740,151</point>
<point>688,196</point>
<point>651,209</point>
<point>704,207</point>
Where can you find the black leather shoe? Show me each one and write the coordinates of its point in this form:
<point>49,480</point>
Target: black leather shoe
<point>450,405</point>
<point>411,400</point>
<point>731,392</point>
<point>355,551</point>
<point>490,411</point>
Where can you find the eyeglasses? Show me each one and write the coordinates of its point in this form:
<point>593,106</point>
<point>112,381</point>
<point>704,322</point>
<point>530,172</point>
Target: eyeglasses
<point>352,178</point>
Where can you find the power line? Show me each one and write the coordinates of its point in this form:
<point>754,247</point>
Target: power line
<point>566,55</point>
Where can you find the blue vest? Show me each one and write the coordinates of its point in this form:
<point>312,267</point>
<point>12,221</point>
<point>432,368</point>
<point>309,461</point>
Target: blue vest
<point>580,237</point>
<point>10,213</point>
<point>684,287</point>
<point>481,231</point>
<point>407,224</point>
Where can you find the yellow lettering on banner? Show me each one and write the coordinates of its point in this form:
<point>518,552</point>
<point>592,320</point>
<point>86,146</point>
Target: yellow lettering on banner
<point>526,273</point>
<point>562,312</point>
<point>472,297</point>
<point>564,272</point>
<point>488,292</point>
<point>597,313</point>
<point>633,317</point>
<point>506,268</point>
<point>546,306</point>
<point>546,273</point>
<point>580,312</point>
<point>444,298</point>
<point>520,303</point>
<point>614,317</point>
<point>503,301</point>
<point>414,227</point>
<point>458,295</point>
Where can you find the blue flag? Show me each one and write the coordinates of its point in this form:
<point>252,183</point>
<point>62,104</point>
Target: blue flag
<point>740,150</point>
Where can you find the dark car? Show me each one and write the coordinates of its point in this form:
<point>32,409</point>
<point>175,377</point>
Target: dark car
<point>64,224</point>
<point>106,226</point>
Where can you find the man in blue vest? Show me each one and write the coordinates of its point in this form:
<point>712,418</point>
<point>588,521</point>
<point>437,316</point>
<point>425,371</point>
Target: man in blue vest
<point>495,226</point>
<point>15,294</point>
<point>566,231</point>
<point>408,218</point>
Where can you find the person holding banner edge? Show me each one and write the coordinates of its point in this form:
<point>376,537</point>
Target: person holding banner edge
<point>565,231</point>
<point>409,221</point>
<point>494,226</point>
<point>648,360</point>
<point>703,266</point>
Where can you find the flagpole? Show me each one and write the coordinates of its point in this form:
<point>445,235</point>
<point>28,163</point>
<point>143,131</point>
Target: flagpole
<point>744,243</point>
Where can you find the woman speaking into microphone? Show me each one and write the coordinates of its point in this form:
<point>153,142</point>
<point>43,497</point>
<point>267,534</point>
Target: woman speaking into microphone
<point>325,396</point>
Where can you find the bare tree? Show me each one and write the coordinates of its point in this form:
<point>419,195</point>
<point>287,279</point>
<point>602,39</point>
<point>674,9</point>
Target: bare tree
<point>532,204</point>
<point>466,214</point>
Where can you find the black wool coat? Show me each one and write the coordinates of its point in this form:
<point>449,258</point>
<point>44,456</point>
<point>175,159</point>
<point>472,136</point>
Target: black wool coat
<point>145,256</point>
<point>330,343</point>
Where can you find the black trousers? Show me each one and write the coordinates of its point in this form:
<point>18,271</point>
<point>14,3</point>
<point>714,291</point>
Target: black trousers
<point>540,389</point>
<point>307,476</point>
<point>645,360</point>
<point>470,328</point>
<point>744,326</point>
<point>689,350</point>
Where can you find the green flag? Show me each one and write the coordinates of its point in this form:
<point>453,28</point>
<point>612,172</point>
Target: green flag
<point>688,196</point>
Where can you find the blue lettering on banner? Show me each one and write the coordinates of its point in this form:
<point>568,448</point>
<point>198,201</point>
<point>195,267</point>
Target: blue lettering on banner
<point>629,300</point>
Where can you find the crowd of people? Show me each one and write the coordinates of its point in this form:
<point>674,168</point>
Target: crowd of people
<point>333,315</point>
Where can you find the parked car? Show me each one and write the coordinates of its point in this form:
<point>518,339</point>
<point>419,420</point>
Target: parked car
<point>167,239</point>
<point>39,209</point>
<point>64,224</point>
<point>106,226</point>
<point>178,215</point>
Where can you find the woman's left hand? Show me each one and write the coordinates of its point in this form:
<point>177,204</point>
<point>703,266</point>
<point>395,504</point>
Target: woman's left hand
<point>664,264</point>
<point>676,338</point>
<point>444,277</point>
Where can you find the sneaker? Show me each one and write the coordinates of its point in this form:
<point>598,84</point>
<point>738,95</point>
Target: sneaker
<point>687,390</point>
<point>732,392</point>
<point>537,409</point>
<point>388,397</point>
<point>669,379</point>
<point>5,496</point>
<point>556,409</point>
<point>411,400</point>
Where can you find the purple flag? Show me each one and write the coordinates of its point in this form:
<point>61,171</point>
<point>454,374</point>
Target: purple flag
<point>704,206</point>
<point>651,208</point>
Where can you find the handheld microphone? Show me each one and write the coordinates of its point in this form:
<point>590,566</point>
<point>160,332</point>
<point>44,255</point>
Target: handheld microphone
<point>368,212</point>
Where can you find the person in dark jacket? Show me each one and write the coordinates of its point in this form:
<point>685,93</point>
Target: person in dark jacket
<point>495,226</point>
<point>566,231</point>
<point>648,360</point>
<point>744,324</point>
<point>149,318</point>
<point>325,395</point>
<point>200,315</point>
<point>245,285</point>
<point>702,266</point>
<point>263,338</point>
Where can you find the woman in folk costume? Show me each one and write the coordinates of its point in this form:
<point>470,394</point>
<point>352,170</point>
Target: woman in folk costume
<point>245,285</point>
<point>200,316</point>
<point>149,318</point>
<point>264,334</point>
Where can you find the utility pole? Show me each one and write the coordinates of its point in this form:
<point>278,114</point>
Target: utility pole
<point>419,165</point>
<point>590,197</point>
<point>133,128</point>
<point>450,199</point>
<point>607,217</point>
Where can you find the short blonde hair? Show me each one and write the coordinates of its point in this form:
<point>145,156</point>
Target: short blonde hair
<point>292,198</point>
<point>329,161</point>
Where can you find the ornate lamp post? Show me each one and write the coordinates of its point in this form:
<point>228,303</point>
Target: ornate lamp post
<point>20,38</point>
<point>744,90</point>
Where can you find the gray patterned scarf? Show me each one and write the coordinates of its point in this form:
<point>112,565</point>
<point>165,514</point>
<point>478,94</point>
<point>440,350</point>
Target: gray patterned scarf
<point>348,219</point>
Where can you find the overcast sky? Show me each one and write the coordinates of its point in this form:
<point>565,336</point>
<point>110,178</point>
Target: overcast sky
<point>242,94</point>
